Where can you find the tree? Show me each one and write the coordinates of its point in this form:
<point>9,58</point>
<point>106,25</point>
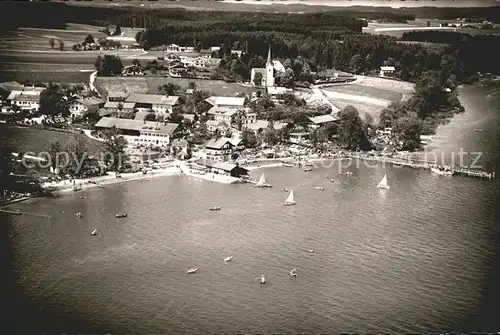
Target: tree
<point>106,31</point>
<point>351,128</point>
<point>6,181</point>
<point>52,43</point>
<point>248,138</point>
<point>288,78</point>
<point>61,45</point>
<point>136,62</point>
<point>270,136</point>
<point>284,134</point>
<point>89,39</point>
<point>171,88</point>
<point>257,79</point>
<point>118,30</point>
<point>53,102</point>
<point>192,85</point>
<point>115,145</point>
<point>108,65</point>
<point>79,157</point>
<point>407,131</point>
<point>150,117</point>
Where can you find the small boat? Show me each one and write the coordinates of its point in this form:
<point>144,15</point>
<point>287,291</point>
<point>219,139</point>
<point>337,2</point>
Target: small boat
<point>262,182</point>
<point>307,169</point>
<point>383,183</point>
<point>228,259</point>
<point>217,208</point>
<point>319,188</point>
<point>442,171</point>
<point>288,164</point>
<point>119,216</point>
<point>192,270</point>
<point>285,189</point>
<point>479,130</point>
<point>79,215</point>
<point>94,232</point>
<point>290,200</point>
<point>310,250</point>
<point>332,181</point>
<point>262,279</point>
<point>293,273</point>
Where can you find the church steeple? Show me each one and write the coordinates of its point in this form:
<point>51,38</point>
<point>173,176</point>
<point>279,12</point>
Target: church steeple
<point>269,61</point>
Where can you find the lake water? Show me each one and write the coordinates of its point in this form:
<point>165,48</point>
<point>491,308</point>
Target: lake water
<point>421,256</point>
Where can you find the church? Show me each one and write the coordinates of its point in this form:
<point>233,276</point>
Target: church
<point>267,72</point>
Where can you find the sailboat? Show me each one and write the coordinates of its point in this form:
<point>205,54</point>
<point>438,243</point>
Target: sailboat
<point>290,200</point>
<point>383,183</point>
<point>262,182</point>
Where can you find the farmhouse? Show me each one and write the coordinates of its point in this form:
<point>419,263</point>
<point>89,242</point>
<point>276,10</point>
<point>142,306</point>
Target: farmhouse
<point>140,132</point>
<point>387,71</point>
<point>260,125</point>
<point>27,98</point>
<point>172,57</point>
<point>82,106</point>
<point>133,70</point>
<point>322,120</point>
<point>177,70</point>
<point>219,149</point>
<point>117,96</point>
<point>160,104</point>
<point>178,48</point>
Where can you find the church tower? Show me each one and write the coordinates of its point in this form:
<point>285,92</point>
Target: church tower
<point>269,70</point>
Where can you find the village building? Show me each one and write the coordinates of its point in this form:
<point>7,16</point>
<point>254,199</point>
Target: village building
<point>119,106</point>
<point>268,79</point>
<point>133,70</point>
<point>117,96</point>
<point>172,57</point>
<point>261,125</point>
<point>317,122</point>
<point>28,98</point>
<point>140,132</point>
<point>177,70</point>
<point>223,113</point>
<point>276,93</point>
<point>160,104</point>
<point>222,168</point>
<point>7,87</point>
<point>300,137</point>
<point>387,71</point>
<point>81,106</point>
<point>219,149</point>
<point>177,48</point>
<point>218,101</point>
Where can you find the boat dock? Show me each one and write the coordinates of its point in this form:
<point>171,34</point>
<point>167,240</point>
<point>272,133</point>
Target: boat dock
<point>425,165</point>
<point>18,212</point>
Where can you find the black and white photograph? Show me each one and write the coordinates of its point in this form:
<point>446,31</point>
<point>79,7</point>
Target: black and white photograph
<point>249,167</point>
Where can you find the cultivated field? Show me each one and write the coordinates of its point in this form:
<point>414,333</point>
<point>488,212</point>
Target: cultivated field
<point>127,84</point>
<point>37,141</point>
<point>216,87</point>
<point>369,94</point>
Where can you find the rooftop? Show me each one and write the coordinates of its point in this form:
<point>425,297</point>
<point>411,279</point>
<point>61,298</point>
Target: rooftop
<point>262,124</point>
<point>117,94</point>
<point>116,104</point>
<point>217,143</point>
<point>180,142</point>
<point>223,110</point>
<point>152,99</point>
<point>323,118</point>
<point>225,101</point>
<point>387,68</point>
<point>90,101</point>
<point>138,125</point>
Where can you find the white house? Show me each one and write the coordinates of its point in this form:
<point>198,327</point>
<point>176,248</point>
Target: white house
<point>223,113</point>
<point>160,104</point>
<point>387,71</point>
<point>82,106</point>
<point>119,106</point>
<point>220,149</point>
<point>177,48</point>
<point>226,101</point>
<point>140,132</point>
<point>27,98</point>
<point>133,70</point>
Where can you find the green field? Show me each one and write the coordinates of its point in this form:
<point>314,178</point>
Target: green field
<point>37,140</point>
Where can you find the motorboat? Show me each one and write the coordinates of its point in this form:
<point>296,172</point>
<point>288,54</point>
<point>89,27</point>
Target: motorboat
<point>192,270</point>
<point>319,188</point>
<point>479,130</point>
<point>383,183</point>
<point>310,250</point>
<point>285,189</point>
<point>228,259</point>
<point>307,169</point>
<point>262,279</point>
<point>217,208</point>
<point>123,215</point>
<point>290,200</point>
<point>293,273</point>
<point>79,215</point>
<point>442,171</point>
<point>94,232</point>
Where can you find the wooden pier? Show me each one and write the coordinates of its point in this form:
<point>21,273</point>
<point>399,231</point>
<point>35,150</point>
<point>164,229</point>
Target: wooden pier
<point>18,212</point>
<point>425,165</point>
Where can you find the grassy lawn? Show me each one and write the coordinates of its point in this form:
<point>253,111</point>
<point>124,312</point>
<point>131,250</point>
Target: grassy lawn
<point>128,84</point>
<point>371,92</point>
<point>37,140</point>
<point>216,87</point>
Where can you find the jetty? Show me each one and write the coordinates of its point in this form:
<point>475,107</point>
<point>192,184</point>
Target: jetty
<point>18,212</point>
<point>425,165</point>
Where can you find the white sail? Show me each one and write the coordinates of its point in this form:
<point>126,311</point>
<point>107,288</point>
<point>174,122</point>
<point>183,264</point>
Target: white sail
<point>262,180</point>
<point>383,182</point>
<point>290,199</point>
